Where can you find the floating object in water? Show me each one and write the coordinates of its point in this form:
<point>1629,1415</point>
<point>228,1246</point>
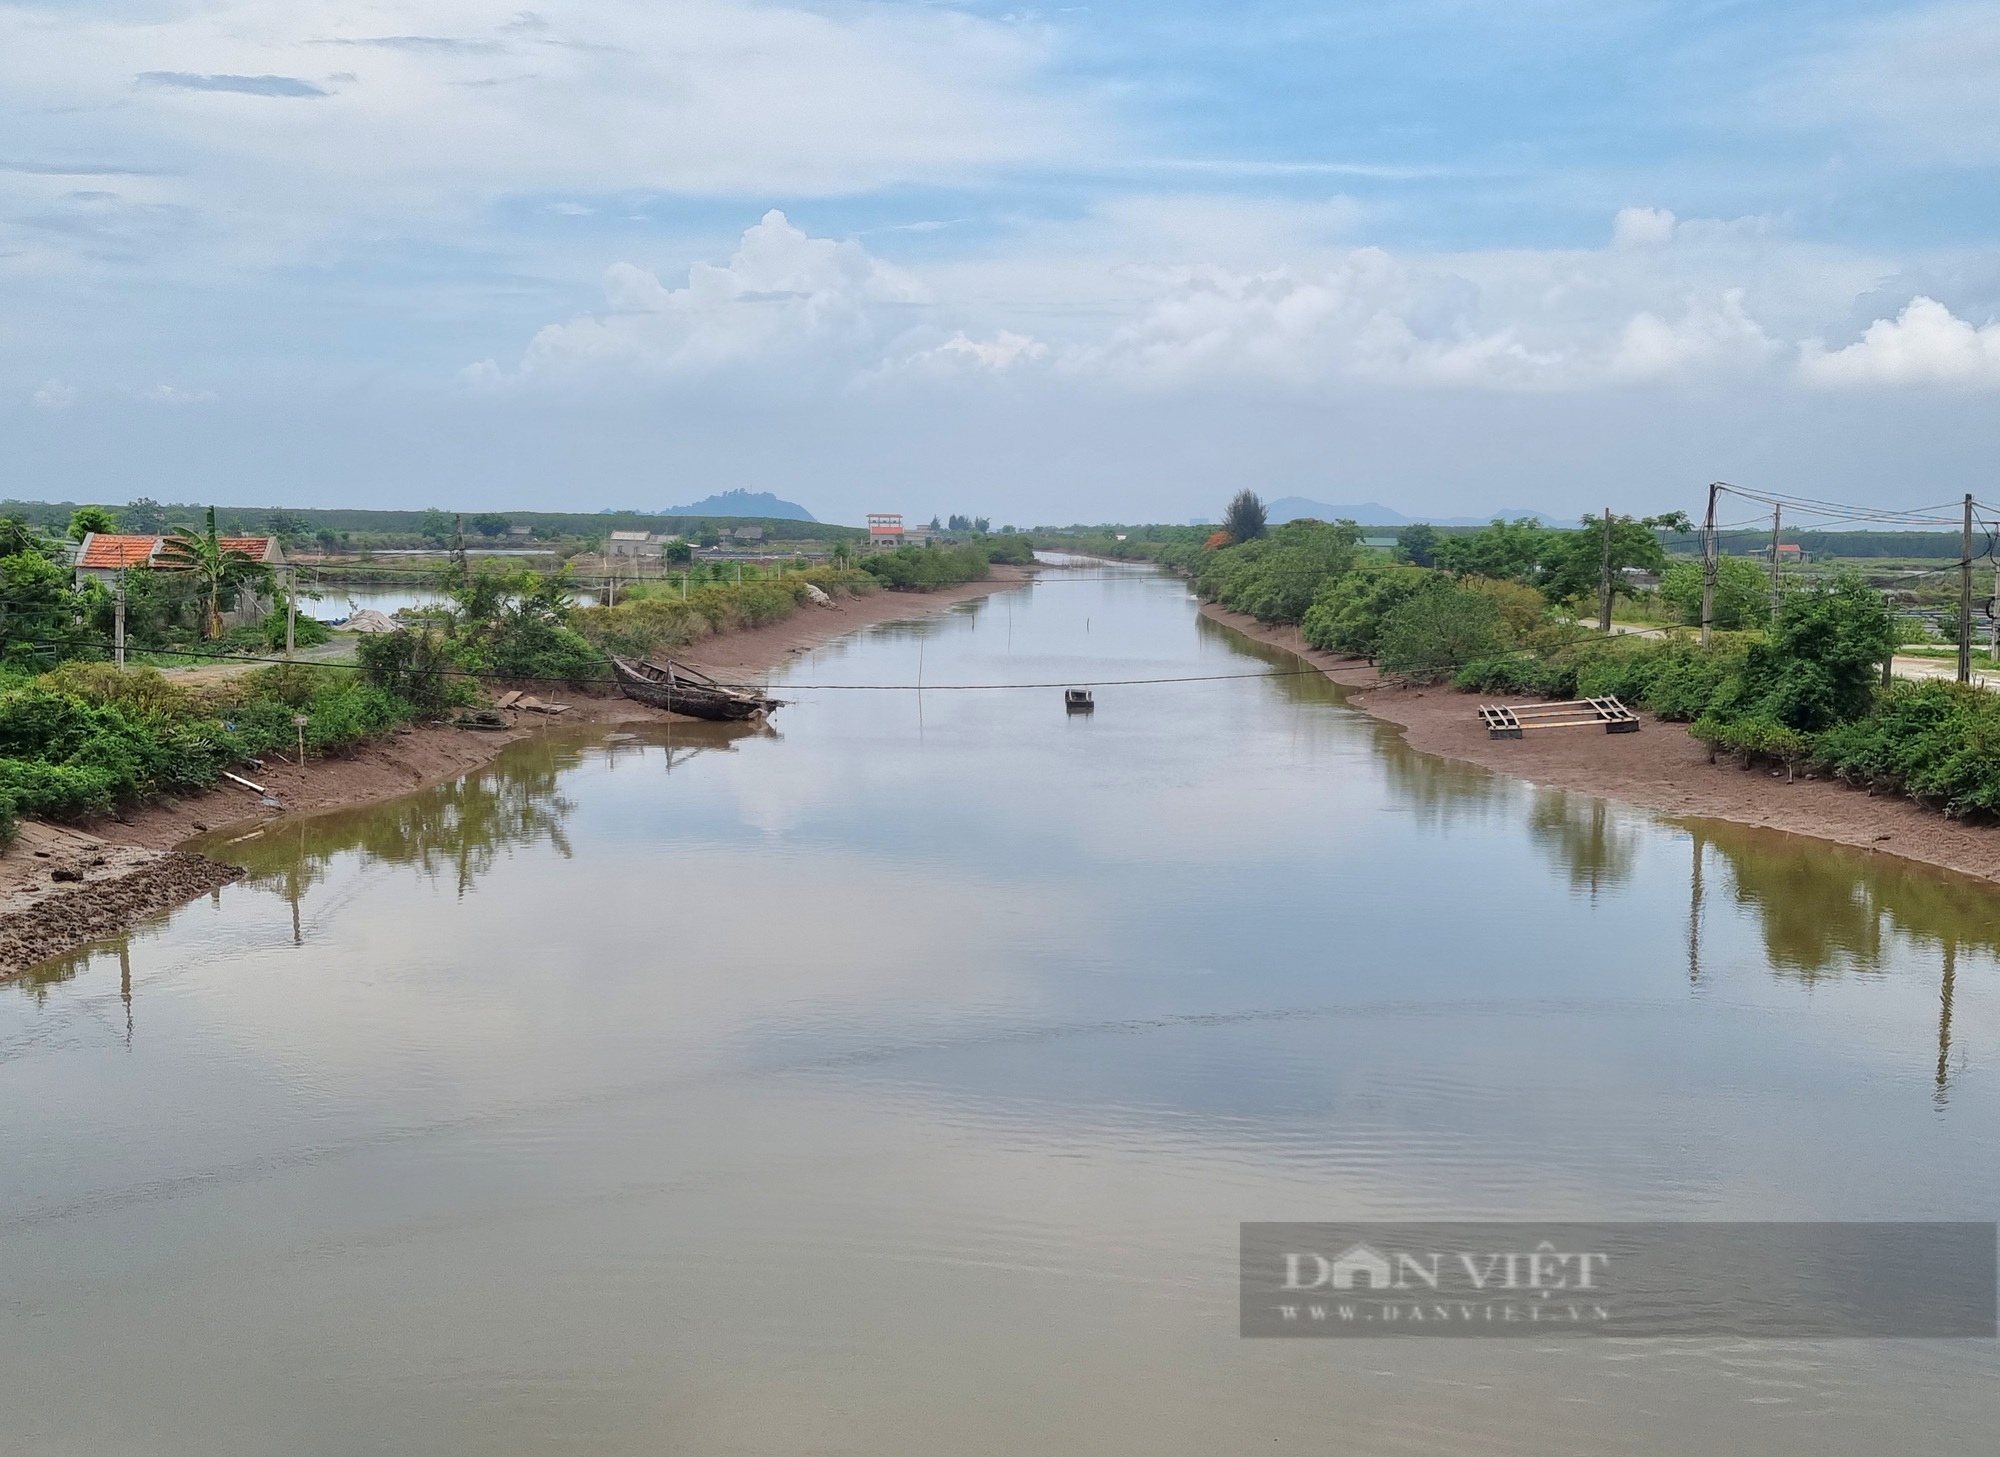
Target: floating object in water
<point>1078,700</point>
<point>681,689</point>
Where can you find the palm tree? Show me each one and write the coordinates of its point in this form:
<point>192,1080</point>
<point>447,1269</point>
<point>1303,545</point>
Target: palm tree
<point>221,570</point>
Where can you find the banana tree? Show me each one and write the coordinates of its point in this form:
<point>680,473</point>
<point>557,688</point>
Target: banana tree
<point>221,570</point>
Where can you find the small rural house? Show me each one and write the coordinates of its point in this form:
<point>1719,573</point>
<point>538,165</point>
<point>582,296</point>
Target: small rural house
<point>885,528</point>
<point>634,546</point>
<point>103,557</point>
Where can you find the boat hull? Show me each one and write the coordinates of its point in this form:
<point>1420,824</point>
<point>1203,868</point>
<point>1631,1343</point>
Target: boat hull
<point>658,688</point>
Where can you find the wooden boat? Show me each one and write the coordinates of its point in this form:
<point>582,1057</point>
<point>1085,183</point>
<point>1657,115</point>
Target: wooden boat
<point>1078,700</point>
<point>681,689</point>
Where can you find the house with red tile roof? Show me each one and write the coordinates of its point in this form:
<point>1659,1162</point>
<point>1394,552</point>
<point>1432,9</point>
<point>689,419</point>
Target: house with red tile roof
<point>103,556</point>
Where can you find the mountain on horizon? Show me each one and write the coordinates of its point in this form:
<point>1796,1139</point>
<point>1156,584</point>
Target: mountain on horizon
<point>744,503</point>
<point>1374,513</point>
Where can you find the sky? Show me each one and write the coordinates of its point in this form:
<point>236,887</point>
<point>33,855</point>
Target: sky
<point>1105,262</point>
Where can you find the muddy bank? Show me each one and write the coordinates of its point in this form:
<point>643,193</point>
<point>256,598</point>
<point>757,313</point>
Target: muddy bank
<point>124,868</point>
<point>1658,768</point>
<point>61,888</point>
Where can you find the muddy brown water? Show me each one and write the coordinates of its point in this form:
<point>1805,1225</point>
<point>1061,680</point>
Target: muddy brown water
<point>895,1082</point>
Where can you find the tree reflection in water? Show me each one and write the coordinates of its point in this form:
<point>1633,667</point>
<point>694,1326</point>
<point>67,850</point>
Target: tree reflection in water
<point>458,828</point>
<point>1827,910</point>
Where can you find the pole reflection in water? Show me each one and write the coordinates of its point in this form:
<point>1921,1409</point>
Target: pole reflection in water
<point>897,1087</point>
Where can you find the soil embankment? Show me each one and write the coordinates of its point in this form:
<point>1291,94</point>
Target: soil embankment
<point>1658,768</point>
<point>62,887</point>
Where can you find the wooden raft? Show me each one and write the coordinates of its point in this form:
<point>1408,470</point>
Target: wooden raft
<point>1508,720</point>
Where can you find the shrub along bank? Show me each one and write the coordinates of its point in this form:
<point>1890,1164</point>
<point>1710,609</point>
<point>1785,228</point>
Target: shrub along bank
<point>655,617</point>
<point>88,737</point>
<point>1499,615</point>
<point>922,568</point>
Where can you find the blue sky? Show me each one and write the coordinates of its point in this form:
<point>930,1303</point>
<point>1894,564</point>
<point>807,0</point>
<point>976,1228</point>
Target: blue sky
<point>1081,262</point>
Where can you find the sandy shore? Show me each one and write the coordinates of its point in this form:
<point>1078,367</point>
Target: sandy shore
<point>1659,768</point>
<point>64,886</point>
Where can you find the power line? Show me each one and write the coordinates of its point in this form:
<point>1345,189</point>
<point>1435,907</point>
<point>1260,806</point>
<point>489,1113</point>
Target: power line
<point>229,658</point>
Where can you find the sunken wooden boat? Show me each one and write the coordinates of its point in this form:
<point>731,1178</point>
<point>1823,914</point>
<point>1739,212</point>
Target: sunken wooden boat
<point>680,689</point>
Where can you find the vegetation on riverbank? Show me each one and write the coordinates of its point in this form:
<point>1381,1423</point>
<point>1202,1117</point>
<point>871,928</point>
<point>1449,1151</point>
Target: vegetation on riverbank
<point>1505,609</point>
<point>922,568</point>
<point>88,737</point>
<point>655,617</point>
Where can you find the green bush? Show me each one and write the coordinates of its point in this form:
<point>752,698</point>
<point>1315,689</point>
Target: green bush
<point>1276,578</point>
<point>1438,630</point>
<point>87,737</point>
<point>1346,616</point>
<point>416,666</point>
<point>1742,592</point>
<point>1519,674</point>
<point>1936,741</point>
<point>654,618</point>
<point>922,568</point>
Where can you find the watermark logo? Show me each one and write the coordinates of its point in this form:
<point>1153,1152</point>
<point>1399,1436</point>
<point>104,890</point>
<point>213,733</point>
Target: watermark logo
<point>1788,1281</point>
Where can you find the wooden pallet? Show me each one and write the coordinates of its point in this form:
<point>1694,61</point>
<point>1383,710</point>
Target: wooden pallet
<point>1509,720</point>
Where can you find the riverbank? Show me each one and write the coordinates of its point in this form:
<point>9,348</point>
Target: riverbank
<point>116,872</point>
<point>1659,768</point>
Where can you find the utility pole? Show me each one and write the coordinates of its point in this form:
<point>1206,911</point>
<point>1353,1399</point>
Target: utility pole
<point>1777,531</point>
<point>1604,580</point>
<point>292,615</point>
<point>1708,563</point>
<point>118,624</point>
<point>1965,596</point>
<point>458,538</point>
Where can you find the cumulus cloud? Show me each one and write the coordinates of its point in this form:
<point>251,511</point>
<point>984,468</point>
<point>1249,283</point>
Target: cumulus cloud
<point>1710,332</point>
<point>1669,303</point>
<point>1562,320</point>
<point>1926,344</point>
<point>961,353</point>
<point>1640,227</point>
<point>783,297</point>
<point>52,395</point>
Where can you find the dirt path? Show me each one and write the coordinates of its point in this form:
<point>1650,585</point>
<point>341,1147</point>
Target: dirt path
<point>63,886</point>
<point>1659,768</point>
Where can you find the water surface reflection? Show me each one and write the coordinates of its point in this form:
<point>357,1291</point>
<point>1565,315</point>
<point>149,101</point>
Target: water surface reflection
<point>894,1083</point>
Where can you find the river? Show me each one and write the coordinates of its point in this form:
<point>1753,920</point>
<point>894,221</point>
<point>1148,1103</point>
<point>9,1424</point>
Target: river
<point>895,1081</point>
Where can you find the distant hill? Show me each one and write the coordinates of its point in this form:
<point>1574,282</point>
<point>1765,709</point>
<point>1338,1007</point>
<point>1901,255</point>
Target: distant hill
<point>755,504</point>
<point>1374,513</point>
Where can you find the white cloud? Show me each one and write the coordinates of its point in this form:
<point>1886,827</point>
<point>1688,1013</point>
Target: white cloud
<point>1640,227</point>
<point>1004,351</point>
<point>1555,319</point>
<point>1925,344</point>
<point>1711,332</point>
<point>782,297</point>
<point>1694,300</point>
<point>1926,81</point>
<point>167,394</point>
<point>53,395</point>
<point>310,118</point>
